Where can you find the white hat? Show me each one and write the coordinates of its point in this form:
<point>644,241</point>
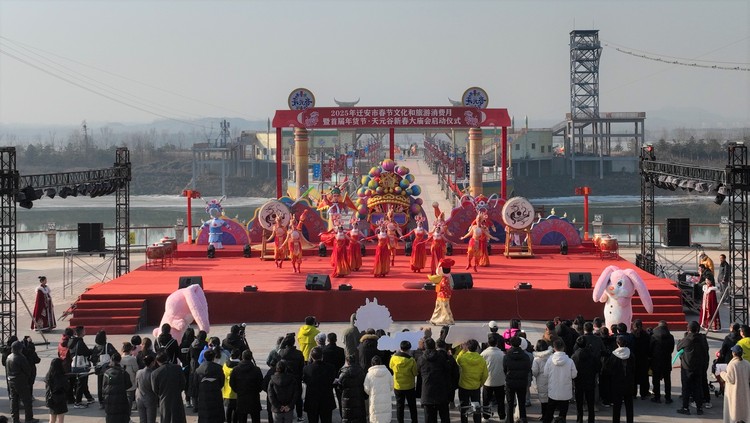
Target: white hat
<point>524,344</point>
<point>492,324</point>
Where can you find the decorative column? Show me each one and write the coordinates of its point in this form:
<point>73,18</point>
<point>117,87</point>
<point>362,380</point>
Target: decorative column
<point>300,161</point>
<point>51,239</point>
<point>475,161</point>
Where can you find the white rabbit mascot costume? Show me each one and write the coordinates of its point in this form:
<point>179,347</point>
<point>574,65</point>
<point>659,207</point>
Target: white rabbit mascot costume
<point>616,287</point>
<point>182,308</point>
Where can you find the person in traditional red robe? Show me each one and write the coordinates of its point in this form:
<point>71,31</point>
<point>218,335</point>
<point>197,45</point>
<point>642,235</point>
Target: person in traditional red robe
<point>340,254</point>
<point>44,310</point>
<point>709,306</point>
<point>293,244</point>
<point>355,251</point>
<point>278,235</point>
<point>394,232</point>
<point>437,248</point>
<point>442,315</point>
<point>418,247</point>
<point>382,263</point>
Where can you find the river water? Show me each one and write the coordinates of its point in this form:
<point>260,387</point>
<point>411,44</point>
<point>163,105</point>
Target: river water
<point>164,211</point>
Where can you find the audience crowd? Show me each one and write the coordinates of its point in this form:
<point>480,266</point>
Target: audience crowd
<point>577,367</point>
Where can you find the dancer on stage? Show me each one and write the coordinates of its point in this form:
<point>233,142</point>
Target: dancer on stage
<point>355,247</point>
<point>382,252</point>
<point>438,246</point>
<point>394,232</point>
<point>339,257</point>
<point>443,281</point>
<point>480,236</point>
<point>44,311</point>
<point>418,246</point>
<point>293,242</point>
<point>278,235</point>
<point>709,306</point>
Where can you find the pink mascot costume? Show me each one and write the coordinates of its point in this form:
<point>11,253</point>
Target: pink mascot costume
<point>182,308</point>
<point>616,287</point>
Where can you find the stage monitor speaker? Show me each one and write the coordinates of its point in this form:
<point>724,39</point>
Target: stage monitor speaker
<point>186,281</point>
<point>678,232</point>
<point>579,280</point>
<point>90,237</point>
<point>462,281</point>
<point>318,282</point>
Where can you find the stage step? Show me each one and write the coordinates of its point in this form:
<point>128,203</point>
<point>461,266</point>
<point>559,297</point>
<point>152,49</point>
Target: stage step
<point>119,317</point>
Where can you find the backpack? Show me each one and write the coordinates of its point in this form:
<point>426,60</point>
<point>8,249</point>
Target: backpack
<point>104,358</point>
<point>165,348</point>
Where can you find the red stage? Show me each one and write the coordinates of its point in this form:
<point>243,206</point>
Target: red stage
<point>281,295</point>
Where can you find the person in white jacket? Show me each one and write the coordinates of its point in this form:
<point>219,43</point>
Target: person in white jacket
<point>561,370</point>
<point>542,353</point>
<point>494,386</point>
<point>379,387</point>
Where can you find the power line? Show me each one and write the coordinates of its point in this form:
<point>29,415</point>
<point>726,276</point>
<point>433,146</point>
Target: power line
<point>98,93</point>
<point>28,46</point>
<point>680,61</point>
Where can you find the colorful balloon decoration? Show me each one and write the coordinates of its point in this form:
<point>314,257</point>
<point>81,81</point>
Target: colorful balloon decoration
<point>388,186</point>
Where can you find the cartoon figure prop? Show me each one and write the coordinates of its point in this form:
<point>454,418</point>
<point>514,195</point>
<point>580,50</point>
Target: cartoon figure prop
<point>216,223</point>
<point>373,315</point>
<point>182,308</point>
<point>615,288</point>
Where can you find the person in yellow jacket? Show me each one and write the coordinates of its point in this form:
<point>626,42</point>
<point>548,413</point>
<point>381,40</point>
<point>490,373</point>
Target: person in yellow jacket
<point>474,372</point>
<point>230,397</point>
<point>706,260</point>
<point>306,336</point>
<point>404,369</point>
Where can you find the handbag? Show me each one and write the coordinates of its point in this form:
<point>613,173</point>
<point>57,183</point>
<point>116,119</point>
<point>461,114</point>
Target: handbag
<point>80,364</point>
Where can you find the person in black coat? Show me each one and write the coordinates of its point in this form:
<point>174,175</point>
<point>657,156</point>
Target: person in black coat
<point>167,382</point>
<point>587,366</point>
<point>165,342</point>
<point>620,367</point>
<point>283,393</point>
<point>209,378</point>
<point>517,367</point>
<point>333,354</point>
<point>199,343</point>
<point>641,345</point>
<point>351,381</point>
<point>295,362</point>
<point>610,344</point>
<point>318,378</point>
<point>368,348</point>
<point>435,368</point>
<point>246,380</point>
<point>18,373</point>
<point>725,353</point>
<point>77,347</point>
<point>115,384</point>
<point>661,347</point>
<point>693,366</point>
<point>56,393</point>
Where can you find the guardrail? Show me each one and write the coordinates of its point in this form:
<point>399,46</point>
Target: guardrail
<point>143,237</point>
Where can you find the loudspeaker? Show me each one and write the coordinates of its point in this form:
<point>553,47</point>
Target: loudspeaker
<point>579,280</point>
<point>186,281</point>
<point>678,232</point>
<point>250,288</point>
<point>317,282</point>
<point>462,281</point>
<point>90,237</point>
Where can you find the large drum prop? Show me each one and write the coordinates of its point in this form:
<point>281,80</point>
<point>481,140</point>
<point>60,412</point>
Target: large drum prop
<point>156,251</point>
<point>518,215</point>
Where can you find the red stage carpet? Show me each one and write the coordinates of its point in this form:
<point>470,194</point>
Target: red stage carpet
<point>118,305</point>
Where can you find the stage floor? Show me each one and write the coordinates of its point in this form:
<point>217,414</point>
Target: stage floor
<point>282,297</point>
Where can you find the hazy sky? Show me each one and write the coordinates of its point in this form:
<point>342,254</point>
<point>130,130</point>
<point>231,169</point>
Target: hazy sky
<point>190,59</point>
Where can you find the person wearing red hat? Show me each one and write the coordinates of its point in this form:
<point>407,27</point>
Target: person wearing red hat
<point>444,287</point>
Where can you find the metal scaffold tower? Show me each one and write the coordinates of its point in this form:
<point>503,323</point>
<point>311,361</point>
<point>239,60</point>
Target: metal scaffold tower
<point>585,51</point>
<point>8,275</point>
<point>739,183</point>
<point>732,182</point>
<point>122,212</point>
<point>26,189</point>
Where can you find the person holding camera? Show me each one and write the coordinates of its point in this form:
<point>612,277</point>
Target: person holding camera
<point>235,339</point>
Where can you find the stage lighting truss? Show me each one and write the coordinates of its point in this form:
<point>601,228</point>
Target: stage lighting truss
<point>94,183</point>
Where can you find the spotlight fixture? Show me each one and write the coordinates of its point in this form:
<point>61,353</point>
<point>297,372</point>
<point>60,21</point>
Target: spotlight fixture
<point>246,251</point>
<point>321,250</point>
<point>50,192</point>
<point>211,252</point>
<point>64,192</point>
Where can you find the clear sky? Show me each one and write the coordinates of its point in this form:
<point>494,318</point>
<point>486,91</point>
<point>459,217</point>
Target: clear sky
<point>190,59</point>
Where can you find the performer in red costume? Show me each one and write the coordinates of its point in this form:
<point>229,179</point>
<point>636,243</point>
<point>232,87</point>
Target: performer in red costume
<point>419,246</point>
<point>382,252</point>
<point>339,257</point>
<point>278,235</point>
<point>44,311</point>
<point>293,242</point>
<point>394,232</point>
<point>355,252</point>
<point>709,306</point>
<point>480,236</point>
<point>437,249</point>
<point>443,281</point>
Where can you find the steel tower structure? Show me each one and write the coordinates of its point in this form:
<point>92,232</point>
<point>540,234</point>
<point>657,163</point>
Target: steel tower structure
<point>585,51</point>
